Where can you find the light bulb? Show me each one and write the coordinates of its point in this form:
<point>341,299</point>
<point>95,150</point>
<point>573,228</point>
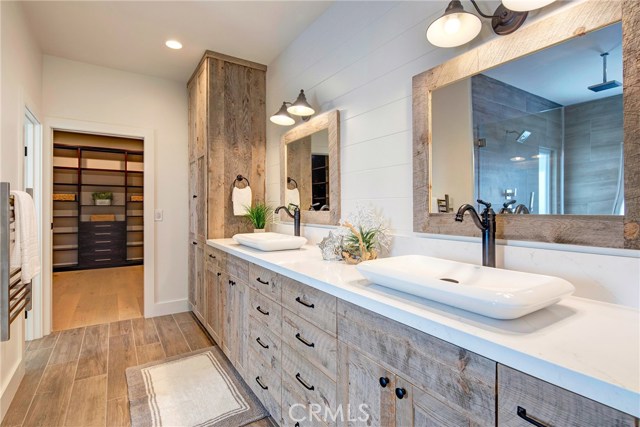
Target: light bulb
<point>452,25</point>
<point>173,44</point>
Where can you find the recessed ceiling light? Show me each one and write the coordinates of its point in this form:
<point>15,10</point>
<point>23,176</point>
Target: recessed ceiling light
<point>173,44</point>
<point>517,159</point>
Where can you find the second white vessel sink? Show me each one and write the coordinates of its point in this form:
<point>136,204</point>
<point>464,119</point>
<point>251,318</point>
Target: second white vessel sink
<point>492,292</point>
<point>270,241</point>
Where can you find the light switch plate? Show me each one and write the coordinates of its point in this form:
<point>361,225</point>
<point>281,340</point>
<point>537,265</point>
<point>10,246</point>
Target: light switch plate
<point>158,215</point>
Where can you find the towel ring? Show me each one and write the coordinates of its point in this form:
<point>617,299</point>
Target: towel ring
<point>240,178</point>
<point>290,180</point>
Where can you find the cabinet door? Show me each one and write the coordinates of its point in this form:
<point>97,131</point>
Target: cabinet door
<point>193,95</point>
<point>228,326</point>
<point>201,110</point>
<point>201,198</point>
<point>371,398</point>
<point>193,198</point>
<point>241,326</point>
<point>212,288</point>
<point>192,272</point>
<point>201,298</point>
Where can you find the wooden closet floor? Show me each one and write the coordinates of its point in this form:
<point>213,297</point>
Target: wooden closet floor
<point>76,377</point>
<point>91,297</point>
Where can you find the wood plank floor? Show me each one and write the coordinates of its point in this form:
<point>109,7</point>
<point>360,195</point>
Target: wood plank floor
<point>91,297</point>
<point>76,377</point>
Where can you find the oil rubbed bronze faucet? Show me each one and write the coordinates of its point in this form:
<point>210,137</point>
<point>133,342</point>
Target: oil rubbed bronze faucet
<point>486,222</point>
<point>295,215</point>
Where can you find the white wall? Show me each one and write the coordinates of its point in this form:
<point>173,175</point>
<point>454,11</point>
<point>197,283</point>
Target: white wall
<point>20,86</point>
<point>79,91</point>
<point>359,58</point>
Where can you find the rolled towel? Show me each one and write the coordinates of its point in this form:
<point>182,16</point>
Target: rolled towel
<point>26,250</point>
<point>241,199</point>
<point>292,196</point>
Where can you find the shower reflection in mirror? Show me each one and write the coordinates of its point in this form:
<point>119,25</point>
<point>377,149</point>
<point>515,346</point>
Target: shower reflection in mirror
<point>540,135</point>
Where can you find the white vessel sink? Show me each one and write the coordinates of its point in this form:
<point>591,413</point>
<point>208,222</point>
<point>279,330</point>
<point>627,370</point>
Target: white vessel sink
<point>270,241</point>
<point>492,292</point>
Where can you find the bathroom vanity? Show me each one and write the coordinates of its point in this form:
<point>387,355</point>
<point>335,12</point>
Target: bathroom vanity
<point>302,331</point>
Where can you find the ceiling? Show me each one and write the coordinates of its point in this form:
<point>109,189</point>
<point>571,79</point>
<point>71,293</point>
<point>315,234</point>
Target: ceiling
<point>130,36</point>
<point>562,73</point>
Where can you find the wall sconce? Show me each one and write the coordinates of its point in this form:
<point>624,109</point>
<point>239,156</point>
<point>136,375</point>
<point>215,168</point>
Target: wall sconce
<point>457,26</point>
<point>300,107</point>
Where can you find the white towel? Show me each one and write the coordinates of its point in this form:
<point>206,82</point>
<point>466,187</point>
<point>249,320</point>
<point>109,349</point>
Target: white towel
<point>292,196</point>
<point>241,198</point>
<point>26,251</point>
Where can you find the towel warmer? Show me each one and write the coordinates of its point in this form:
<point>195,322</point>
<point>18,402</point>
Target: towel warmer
<point>15,296</point>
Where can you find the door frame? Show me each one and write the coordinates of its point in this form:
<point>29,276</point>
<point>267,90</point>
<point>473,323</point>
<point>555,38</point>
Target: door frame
<point>52,124</point>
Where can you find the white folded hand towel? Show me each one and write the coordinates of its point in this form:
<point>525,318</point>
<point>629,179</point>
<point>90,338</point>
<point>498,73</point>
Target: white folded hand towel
<point>292,196</point>
<point>26,251</point>
<point>241,198</point>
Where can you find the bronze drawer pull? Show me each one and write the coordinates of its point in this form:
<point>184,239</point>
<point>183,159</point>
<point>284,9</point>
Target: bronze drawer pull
<point>262,281</point>
<point>219,274</point>
<point>384,381</point>
<point>264,387</point>
<point>103,234</point>
<point>304,383</point>
<point>211,256</point>
<point>522,413</point>
<point>232,283</point>
<point>303,302</point>
<point>303,341</point>
<point>194,243</point>
<point>102,259</point>
<point>195,196</point>
<point>103,241</point>
<point>266,313</point>
<point>103,250</point>
<point>102,226</point>
<point>263,345</point>
<point>401,393</point>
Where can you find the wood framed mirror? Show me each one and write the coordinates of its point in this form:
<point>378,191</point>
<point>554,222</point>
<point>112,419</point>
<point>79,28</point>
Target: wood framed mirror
<point>621,231</point>
<point>310,169</point>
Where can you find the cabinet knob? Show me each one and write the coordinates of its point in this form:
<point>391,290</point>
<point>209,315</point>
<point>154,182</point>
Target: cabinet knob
<point>219,274</point>
<point>211,256</point>
<point>195,196</point>
<point>194,243</point>
<point>384,381</point>
<point>401,393</point>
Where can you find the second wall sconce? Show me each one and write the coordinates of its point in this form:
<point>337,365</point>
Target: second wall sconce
<point>457,26</point>
<point>300,107</point>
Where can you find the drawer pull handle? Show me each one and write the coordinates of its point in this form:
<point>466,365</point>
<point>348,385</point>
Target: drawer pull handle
<point>266,313</point>
<point>522,413</point>
<point>304,383</point>
<point>211,256</point>
<point>194,243</point>
<point>401,393</point>
<point>219,274</point>
<point>303,302</point>
<point>262,281</point>
<point>103,250</point>
<point>263,345</point>
<point>103,259</point>
<point>103,234</point>
<point>262,386</point>
<point>232,283</point>
<point>384,381</point>
<point>195,197</point>
<point>103,226</point>
<point>103,241</point>
<point>304,341</point>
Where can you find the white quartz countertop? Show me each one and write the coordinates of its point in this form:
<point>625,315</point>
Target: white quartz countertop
<point>588,347</point>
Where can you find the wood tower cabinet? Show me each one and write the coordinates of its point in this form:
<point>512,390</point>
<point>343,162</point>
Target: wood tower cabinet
<point>227,127</point>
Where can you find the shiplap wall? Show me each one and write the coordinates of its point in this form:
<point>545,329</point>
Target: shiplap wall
<point>359,57</point>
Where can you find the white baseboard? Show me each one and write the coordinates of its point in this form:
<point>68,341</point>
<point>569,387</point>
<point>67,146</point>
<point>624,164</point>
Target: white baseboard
<point>10,390</point>
<point>167,307</point>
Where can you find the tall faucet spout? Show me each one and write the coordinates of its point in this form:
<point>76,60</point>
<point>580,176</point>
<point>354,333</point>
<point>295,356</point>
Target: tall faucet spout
<point>474,215</point>
<point>295,215</point>
<point>486,224</point>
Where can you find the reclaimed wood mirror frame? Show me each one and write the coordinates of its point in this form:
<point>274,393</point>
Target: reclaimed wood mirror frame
<point>603,231</point>
<point>331,122</point>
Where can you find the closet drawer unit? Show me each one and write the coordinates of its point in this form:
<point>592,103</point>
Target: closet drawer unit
<point>304,379</point>
<point>99,260</point>
<point>265,281</point>
<point>237,267</point>
<point>265,343</point>
<point>266,384</point>
<point>266,311</point>
<point>522,397</point>
<point>311,342</point>
<point>311,304</point>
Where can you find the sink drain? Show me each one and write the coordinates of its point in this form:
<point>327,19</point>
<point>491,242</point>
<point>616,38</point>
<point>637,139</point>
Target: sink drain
<point>449,280</point>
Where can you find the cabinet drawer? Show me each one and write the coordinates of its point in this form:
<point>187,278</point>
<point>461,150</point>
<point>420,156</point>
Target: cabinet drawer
<point>212,256</point>
<point>311,304</point>
<point>266,384</point>
<point>549,405</point>
<point>311,342</point>
<point>298,411</point>
<point>265,343</point>
<point>306,380</point>
<point>265,281</point>
<point>237,267</point>
<point>266,311</point>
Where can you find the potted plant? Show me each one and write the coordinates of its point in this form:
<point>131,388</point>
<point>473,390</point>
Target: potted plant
<point>259,215</point>
<point>365,236</point>
<point>102,198</point>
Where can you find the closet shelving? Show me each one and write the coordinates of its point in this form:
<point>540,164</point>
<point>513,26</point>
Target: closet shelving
<point>78,172</point>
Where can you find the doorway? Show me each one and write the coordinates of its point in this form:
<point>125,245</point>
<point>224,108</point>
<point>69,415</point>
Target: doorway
<point>97,246</point>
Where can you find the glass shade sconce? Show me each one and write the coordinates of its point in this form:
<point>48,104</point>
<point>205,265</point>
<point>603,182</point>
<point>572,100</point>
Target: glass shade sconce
<point>457,26</point>
<point>300,107</point>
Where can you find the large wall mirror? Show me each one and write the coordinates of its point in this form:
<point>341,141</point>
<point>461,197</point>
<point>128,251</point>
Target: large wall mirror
<point>536,128</point>
<point>310,169</point>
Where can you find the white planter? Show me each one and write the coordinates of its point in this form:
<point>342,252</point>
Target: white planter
<point>258,230</point>
<point>102,202</point>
